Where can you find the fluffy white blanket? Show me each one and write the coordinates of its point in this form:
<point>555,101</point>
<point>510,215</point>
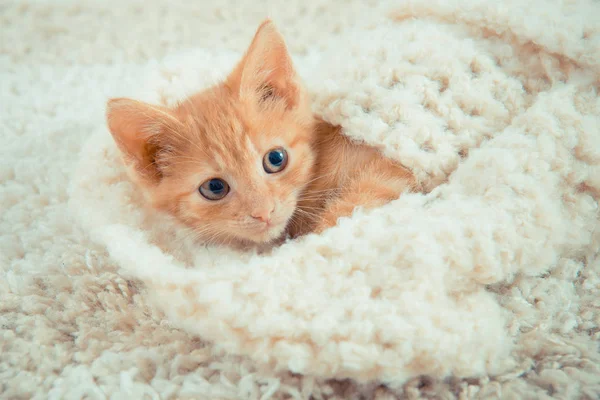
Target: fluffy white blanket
<point>493,275</point>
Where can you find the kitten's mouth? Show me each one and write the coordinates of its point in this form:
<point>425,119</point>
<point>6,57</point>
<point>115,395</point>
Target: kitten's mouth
<point>269,231</point>
<point>264,232</point>
<point>272,228</point>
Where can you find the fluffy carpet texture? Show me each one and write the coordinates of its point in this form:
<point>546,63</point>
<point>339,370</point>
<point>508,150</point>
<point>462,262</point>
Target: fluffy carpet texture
<point>486,286</point>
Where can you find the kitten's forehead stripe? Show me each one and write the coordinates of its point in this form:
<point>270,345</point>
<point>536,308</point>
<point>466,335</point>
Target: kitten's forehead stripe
<point>222,165</point>
<point>251,148</point>
<point>224,137</point>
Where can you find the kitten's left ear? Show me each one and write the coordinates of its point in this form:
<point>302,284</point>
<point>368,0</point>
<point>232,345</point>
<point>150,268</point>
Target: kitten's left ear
<point>267,70</point>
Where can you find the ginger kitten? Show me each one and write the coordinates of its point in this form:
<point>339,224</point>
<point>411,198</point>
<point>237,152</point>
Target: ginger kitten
<point>245,162</point>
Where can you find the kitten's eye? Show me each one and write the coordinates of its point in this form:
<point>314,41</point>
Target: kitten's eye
<point>275,160</point>
<point>214,189</point>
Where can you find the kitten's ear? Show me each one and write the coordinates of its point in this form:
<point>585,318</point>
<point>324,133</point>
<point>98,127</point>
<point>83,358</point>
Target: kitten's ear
<point>137,128</point>
<point>266,69</point>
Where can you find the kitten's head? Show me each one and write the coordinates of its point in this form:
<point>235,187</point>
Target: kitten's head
<point>230,161</point>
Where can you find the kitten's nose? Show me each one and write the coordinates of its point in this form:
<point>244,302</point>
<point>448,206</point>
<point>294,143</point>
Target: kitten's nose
<point>263,214</point>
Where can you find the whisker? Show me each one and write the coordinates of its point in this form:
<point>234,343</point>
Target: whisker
<point>319,177</point>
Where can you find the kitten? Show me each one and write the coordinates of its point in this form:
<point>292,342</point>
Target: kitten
<point>245,162</point>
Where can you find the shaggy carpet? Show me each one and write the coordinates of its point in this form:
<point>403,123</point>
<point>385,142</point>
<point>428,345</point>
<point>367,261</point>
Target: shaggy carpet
<point>485,287</point>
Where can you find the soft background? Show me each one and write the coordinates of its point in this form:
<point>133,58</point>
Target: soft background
<point>71,327</point>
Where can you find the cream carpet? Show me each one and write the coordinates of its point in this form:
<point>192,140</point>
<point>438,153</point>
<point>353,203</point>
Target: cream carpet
<point>486,287</point>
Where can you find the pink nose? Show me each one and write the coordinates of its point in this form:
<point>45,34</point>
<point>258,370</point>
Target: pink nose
<point>263,214</point>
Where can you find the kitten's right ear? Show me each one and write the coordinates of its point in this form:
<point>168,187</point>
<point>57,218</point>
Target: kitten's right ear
<point>267,70</point>
<point>137,129</point>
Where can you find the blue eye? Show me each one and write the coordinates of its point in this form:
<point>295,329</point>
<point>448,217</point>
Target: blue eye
<point>214,189</point>
<point>275,160</point>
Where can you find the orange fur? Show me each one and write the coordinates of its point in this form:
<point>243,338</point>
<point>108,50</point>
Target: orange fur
<point>225,131</point>
<point>346,175</point>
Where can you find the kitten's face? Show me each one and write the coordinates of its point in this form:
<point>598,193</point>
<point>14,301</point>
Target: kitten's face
<point>230,161</point>
<point>240,168</point>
